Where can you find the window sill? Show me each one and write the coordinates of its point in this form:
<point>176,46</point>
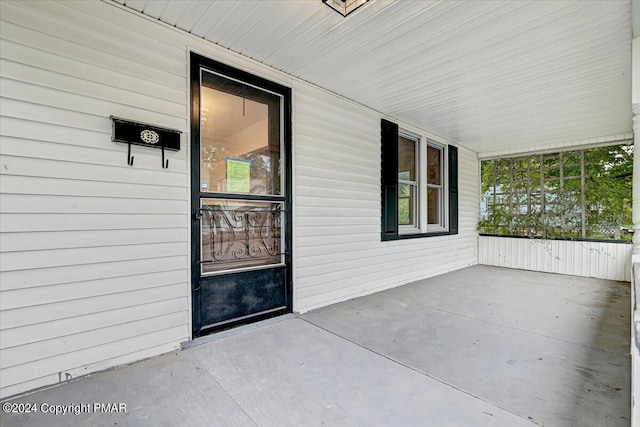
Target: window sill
<point>433,229</point>
<point>409,231</point>
<point>419,235</point>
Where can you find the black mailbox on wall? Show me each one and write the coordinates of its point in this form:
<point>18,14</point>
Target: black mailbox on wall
<point>130,132</point>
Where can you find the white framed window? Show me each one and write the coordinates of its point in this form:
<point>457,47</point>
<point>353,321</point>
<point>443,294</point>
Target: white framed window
<point>421,185</point>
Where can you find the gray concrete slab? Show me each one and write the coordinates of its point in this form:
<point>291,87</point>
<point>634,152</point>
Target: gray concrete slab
<point>586,311</point>
<point>294,373</point>
<point>169,390</point>
<point>466,332</point>
<point>431,353</point>
<point>289,373</point>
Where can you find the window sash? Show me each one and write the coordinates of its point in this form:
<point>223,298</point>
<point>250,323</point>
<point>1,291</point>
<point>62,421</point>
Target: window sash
<point>411,209</point>
<point>441,223</point>
<point>414,209</point>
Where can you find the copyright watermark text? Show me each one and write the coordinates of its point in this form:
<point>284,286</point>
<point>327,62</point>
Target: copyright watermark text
<point>66,409</point>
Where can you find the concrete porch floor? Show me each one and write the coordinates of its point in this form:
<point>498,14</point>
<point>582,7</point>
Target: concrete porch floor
<point>482,346</point>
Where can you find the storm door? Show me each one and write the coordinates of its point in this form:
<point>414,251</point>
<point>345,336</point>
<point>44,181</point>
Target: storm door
<point>241,173</point>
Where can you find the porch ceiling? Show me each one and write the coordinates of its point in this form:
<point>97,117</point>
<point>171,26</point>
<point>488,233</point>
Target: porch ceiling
<point>489,75</point>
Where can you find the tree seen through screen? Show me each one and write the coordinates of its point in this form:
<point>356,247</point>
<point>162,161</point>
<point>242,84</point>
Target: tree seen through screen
<point>580,194</point>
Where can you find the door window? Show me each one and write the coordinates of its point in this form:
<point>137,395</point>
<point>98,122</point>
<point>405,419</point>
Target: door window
<point>240,154</point>
<point>240,138</point>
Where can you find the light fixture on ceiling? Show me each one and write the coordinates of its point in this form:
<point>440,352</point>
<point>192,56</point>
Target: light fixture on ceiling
<point>344,7</point>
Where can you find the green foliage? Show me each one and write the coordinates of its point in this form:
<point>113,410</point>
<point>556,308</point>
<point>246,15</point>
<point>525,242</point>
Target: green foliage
<point>542,195</point>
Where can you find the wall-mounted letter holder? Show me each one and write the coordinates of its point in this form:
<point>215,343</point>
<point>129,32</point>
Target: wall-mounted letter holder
<point>129,132</point>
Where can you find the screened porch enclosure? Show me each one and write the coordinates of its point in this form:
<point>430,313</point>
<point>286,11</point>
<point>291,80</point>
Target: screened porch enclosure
<point>565,211</point>
<point>578,194</point>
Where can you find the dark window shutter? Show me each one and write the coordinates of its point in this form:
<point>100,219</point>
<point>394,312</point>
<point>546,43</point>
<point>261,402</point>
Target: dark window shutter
<point>453,190</point>
<point>389,136</point>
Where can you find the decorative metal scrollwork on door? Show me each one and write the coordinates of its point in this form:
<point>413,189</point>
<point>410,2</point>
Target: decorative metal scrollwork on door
<point>240,237</point>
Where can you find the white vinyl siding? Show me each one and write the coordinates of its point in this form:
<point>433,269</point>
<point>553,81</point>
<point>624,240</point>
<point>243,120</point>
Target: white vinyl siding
<point>338,252</point>
<point>95,255</point>
<point>603,260</point>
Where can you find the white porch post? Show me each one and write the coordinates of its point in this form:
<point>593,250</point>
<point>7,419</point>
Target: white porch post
<point>635,100</point>
<point>635,254</point>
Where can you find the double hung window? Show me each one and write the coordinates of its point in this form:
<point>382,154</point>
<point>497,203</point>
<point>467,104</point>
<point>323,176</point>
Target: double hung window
<point>419,185</point>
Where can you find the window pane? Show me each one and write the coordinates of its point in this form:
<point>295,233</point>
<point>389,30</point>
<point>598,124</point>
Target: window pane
<point>406,159</point>
<point>433,205</point>
<point>434,165</point>
<point>240,138</point>
<point>406,203</point>
<point>239,234</point>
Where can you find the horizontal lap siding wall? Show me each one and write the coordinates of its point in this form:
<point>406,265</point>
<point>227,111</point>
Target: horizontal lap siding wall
<point>93,253</point>
<point>588,259</point>
<point>338,252</point>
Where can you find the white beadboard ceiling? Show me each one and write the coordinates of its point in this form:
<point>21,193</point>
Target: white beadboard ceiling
<point>490,75</point>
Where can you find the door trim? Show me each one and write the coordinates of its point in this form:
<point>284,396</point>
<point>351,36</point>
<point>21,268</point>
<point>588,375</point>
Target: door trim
<point>196,63</point>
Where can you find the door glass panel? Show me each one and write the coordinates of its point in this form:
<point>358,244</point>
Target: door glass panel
<point>240,137</point>
<point>240,234</point>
